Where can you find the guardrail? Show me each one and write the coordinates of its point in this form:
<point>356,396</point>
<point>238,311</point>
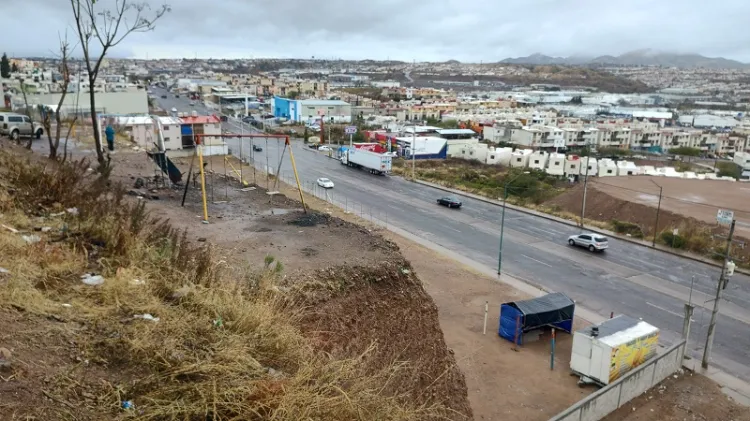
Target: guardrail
<point>611,397</point>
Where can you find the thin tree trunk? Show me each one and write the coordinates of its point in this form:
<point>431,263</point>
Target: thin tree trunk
<point>95,125</point>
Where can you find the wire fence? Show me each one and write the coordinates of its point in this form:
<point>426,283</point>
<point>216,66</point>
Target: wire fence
<point>260,169</point>
<point>360,209</point>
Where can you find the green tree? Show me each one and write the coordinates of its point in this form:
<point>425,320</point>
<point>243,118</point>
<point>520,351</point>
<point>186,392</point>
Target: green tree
<point>358,137</point>
<point>685,151</point>
<point>14,68</point>
<point>728,169</point>
<point>5,66</point>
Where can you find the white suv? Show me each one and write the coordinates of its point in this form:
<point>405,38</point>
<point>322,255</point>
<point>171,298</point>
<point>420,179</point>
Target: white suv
<point>17,125</point>
<point>593,242</point>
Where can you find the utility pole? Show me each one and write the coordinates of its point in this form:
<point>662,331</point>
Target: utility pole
<point>658,209</point>
<point>726,271</point>
<point>585,187</point>
<point>414,152</point>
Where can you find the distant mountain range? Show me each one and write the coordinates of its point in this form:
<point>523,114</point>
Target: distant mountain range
<point>635,58</point>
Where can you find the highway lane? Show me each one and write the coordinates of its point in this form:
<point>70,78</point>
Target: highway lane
<point>627,279</point>
<point>182,104</point>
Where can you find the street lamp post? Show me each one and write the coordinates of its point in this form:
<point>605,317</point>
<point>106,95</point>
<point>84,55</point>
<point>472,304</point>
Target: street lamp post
<point>658,209</point>
<point>502,222</point>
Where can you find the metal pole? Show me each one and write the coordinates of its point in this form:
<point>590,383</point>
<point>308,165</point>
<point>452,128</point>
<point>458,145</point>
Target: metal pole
<point>715,312</point>
<point>502,231</point>
<point>552,354</point>
<point>656,225</point>
<point>242,158</point>
<point>413,152</point>
<point>267,175</point>
<point>658,209</point>
<point>585,187</point>
<point>486,309</point>
<point>190,173</point>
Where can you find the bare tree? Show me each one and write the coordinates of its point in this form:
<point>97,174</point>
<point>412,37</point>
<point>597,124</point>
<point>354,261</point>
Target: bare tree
<point>108,28</point>
<point>28,114</point>
<point>54,143</point>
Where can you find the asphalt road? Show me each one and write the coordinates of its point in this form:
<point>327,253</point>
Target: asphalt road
<point>626,279</point>
<point>182,104</point>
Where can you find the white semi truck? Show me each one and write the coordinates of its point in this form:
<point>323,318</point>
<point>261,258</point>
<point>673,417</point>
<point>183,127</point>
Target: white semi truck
<point>376,163</point>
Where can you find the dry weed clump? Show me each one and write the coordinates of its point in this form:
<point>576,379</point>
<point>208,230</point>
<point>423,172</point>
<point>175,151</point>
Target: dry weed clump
<point>179,335</point>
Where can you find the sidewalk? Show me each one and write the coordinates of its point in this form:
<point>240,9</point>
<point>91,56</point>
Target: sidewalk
<point>608,233</point>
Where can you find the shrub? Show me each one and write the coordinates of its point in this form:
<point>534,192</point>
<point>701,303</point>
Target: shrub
<point>672,240</point>
<point>624,227</point>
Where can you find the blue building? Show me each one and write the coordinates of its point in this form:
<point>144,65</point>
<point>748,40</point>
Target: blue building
<point>309,110</point>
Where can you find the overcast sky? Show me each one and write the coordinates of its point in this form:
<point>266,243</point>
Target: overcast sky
<point>422,30</point>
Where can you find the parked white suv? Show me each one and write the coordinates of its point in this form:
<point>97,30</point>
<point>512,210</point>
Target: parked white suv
<point>593,242</point>
<point>17,125</point>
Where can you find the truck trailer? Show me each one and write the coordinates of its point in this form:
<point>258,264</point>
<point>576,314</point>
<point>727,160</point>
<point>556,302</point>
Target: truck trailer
<point>605,352</point>
<point>376,163</point>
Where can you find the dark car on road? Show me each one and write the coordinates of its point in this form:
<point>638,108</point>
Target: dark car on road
<point>451,202</point>
<point>257,148</point>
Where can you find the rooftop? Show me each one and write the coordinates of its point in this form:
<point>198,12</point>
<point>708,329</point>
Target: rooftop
<point>456,131</point>
<point>317,102</point>
<point>201,119</point>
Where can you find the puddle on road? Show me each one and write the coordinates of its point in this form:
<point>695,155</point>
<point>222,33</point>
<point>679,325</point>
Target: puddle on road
<point>279,211</point>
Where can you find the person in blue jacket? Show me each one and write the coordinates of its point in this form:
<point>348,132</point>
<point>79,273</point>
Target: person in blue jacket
<point>109,132</point>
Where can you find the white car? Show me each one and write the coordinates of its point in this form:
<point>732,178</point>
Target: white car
<point>325,183</point>
<point>325,149</point>
<point>593,242</point>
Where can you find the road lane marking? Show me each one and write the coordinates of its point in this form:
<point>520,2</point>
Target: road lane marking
<point>682,293</point>
<point>538,261</point>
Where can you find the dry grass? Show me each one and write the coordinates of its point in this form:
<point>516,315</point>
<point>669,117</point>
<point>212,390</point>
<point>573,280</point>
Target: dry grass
<point>226,345</point>
<point>524,186</point>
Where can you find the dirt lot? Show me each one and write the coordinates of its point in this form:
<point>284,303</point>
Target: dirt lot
<point>682,397</point>
<point>489,363</point>
<point>699,199</point>
<point>638,208</point>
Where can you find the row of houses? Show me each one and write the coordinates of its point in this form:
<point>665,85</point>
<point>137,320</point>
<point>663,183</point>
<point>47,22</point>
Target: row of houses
<point>572,165</point>
<point>638,138</point>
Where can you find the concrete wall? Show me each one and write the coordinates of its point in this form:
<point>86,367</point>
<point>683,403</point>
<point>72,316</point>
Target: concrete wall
<point>607,399</point>
<point>106,102</point>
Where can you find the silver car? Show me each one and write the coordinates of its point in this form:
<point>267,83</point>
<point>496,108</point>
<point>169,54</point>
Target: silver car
<point>16,125</point>
<point>593,242</point>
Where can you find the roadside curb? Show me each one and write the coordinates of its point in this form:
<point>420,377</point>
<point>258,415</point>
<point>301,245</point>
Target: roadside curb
<point>573,224</point>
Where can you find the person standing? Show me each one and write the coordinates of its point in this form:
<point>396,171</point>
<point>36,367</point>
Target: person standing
<point>109,132</point>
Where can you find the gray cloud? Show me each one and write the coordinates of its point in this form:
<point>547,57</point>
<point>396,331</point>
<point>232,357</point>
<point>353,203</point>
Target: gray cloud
<point>467,30</point>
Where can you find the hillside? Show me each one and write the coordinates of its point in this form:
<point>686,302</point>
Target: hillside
<point>646,57</point>
<point>570,76</point>
<point>565,76</point>
<point>167,325</point>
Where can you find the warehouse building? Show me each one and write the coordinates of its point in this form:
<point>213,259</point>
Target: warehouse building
<point>310,110</point>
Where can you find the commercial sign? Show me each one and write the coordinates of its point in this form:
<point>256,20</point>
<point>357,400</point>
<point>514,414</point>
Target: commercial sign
<point>724,216</point>
<point>350,129</point>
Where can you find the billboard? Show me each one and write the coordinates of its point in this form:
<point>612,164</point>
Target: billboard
<point>372,147</point>
<point>631,354</point>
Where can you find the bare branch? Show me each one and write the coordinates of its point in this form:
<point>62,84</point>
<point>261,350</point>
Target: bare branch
<point>109,27</point>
